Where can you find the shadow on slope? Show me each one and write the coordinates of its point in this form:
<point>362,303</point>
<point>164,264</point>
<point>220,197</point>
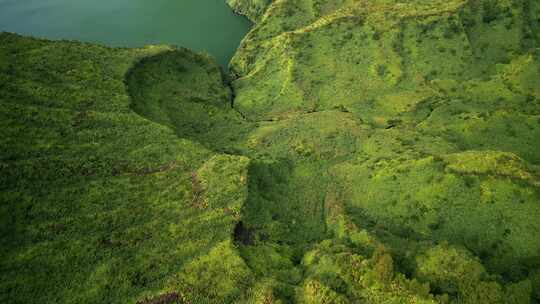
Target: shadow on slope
<point>283,214</point>
<point>186,92</point>
<point>282,219</point>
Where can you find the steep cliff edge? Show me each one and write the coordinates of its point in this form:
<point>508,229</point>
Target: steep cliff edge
<point>253,9</point>
<point>375,151</point>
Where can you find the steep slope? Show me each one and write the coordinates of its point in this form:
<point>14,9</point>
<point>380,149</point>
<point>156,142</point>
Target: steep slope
<point>376,151</point>
<point>100,205</point>
<point>253,9</point>
<point>421,118</point>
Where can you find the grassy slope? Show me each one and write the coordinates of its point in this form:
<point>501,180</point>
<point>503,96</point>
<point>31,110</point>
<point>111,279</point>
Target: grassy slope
<point>378,151</point>
<point>422,117</point>
<point>99,205</point>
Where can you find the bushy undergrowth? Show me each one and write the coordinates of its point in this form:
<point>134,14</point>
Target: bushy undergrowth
<point>98,204</point>
<point>377,151</point>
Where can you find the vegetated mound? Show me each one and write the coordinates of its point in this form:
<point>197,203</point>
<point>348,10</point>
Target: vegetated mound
<point>186,92</point>
<point>372,151</point>
<point>98,204</point>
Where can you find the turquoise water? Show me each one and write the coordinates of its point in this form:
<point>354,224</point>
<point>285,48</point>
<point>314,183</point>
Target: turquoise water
<point>208,25</point>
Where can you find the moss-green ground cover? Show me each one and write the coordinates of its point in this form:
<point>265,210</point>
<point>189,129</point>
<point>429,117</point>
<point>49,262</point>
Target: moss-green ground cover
<point>376,151</point>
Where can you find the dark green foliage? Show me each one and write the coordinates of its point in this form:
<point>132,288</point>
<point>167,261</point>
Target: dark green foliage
<point>96,201</point>
<point>372,152</point>
<point>191,97</point>
<point>491,11</point>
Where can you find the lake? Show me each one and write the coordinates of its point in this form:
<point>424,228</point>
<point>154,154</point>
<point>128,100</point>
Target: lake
<point>208,25</point>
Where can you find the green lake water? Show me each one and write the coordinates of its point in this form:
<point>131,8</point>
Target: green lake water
<point>201,25</point>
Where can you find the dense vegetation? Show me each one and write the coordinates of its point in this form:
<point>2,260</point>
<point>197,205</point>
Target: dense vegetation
<point>361,151</point>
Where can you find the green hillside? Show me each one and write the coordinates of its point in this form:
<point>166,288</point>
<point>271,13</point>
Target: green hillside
<point>360,151</point>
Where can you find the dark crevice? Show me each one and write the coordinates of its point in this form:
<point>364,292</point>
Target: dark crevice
<point>274,214</point>
<point>243,235</point>
<point>233,98</point>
